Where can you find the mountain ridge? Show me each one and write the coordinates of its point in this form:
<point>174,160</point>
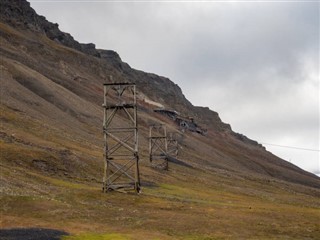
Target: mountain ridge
<point>20,15</point>
<point>26,17</point>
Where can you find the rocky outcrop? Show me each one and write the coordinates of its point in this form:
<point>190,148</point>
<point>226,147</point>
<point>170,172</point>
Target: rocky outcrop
<point>210,119</point>
<point>19,14</point>
<point>109,54</point>
<point>89,48</point>
<point>114,59</point>
<point>247,140</point>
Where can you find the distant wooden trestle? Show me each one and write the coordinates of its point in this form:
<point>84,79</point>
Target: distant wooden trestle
<point>172,144</point>
<point>158,146</point>
<point>120,138</point>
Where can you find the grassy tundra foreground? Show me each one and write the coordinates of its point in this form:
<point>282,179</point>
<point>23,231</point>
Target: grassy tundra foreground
<point>183,203</point>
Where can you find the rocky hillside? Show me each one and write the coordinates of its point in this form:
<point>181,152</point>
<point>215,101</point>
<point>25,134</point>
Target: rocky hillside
<point>49,64</point>
<point>51,146</point>
<point>20,15</point>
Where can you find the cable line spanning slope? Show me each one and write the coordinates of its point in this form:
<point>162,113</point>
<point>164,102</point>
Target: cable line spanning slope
<point>298,148</point>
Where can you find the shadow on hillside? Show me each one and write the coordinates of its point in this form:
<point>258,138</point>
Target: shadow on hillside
<point>31,234</point>
<point>179,162</point>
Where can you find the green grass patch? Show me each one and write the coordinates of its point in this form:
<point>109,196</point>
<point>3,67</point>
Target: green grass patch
<point>108,236</point>
<point>63,183</point>
<point>199,237</point>
<point>21,153</point>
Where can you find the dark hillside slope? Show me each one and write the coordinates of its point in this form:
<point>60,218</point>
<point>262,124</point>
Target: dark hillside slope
<point>50,77</point>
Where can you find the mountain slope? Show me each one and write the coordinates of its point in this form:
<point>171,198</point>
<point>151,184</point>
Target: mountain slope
<point>51,149</point>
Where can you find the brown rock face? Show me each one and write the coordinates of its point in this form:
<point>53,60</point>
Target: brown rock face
<point>18,13</point>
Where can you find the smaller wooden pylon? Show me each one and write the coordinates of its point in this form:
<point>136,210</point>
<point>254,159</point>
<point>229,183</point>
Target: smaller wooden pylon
<point>172,143</point>
<point>158,146</point>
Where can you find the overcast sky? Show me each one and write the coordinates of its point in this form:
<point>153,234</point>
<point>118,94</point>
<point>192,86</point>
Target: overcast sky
<point>256,64</point>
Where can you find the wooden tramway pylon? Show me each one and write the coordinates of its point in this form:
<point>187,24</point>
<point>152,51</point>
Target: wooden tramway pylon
<point>120,130</point>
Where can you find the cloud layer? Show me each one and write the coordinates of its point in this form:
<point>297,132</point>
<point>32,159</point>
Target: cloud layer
<point>257,64</point>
